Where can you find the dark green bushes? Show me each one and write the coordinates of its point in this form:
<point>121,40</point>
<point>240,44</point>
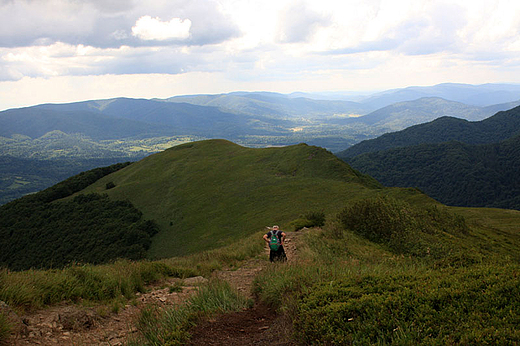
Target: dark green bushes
<point>88,229</point>
<point>43,231</point>
<point>475,305</point>
<point>402,228</point>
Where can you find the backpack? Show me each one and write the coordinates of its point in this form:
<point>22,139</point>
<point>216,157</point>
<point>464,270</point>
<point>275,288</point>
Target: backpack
<point>274,242</point>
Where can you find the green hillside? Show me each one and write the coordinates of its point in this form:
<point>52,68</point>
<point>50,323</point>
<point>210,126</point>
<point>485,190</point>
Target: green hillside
<point>390,265</point>
<point>404,114</point>
<point>500,126</point>
<point>454,173</point>
<point>46,229</point>
<point>206,193</point>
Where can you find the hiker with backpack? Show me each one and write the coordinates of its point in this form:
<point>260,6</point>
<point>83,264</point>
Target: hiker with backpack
<point>275,239</point>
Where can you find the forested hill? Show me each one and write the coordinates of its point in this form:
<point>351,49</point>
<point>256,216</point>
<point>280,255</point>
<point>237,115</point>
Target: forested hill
<point>454,173</point>
<point>45,230</point>
<point>500,126</point>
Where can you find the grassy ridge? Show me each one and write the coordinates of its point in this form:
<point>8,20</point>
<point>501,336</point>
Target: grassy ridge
<point>346,289</point>
<point>207,193</point>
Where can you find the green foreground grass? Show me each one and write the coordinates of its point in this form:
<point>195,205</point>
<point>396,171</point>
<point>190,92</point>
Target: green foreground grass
<point>113,285</point>
<point>171,326</point>
<point>349,285</point>
<point>347,290</point>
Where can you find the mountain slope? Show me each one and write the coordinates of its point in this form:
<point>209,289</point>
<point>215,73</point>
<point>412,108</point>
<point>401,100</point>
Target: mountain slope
<point>478,95</point>
<point>19,177</point>
<point>274,104</point>
<point>401,115</point>
<point>37,121</point>
<point>210,190</point>
<point>499,127</point>
<point>453,173</point>
<point>124,117</point>
<point>200,195</point>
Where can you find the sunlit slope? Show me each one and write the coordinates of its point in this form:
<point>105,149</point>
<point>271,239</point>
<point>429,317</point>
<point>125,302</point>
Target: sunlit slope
<point>207,193</point>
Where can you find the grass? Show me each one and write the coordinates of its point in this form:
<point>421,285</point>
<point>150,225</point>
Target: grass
<point>391,285</point>
<point>171,326</point>
<point>205,194</point>
<point>5,328</point>
<point>475,305</point>
<point>90,284</point>
<point>346,289</point>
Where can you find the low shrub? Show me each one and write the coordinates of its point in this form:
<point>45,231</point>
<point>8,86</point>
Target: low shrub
<point>309,219</point>
<point>477,305</point>
<point>403,228</point>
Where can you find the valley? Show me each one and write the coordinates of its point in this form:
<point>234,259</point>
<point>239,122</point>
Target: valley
<point>130,129</point>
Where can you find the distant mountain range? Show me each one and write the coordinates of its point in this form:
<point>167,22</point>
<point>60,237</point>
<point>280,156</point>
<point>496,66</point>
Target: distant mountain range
<point>477,95</point>
<point>132,128</point>
<point>496,128</point>
<point>274,104</point>
<point>457,162</point>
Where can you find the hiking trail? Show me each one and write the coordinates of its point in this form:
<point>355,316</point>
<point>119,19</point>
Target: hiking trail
<point>72,324</point>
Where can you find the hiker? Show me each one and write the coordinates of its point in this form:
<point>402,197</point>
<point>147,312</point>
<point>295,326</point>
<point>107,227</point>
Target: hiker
<point>276,238</point>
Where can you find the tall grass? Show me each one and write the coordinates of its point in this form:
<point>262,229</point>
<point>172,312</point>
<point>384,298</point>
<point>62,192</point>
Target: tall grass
<point>33,289</point>
<point>171,326</point>
<point>5,328</point>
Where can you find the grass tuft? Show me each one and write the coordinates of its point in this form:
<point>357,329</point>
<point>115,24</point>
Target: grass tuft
<point>171,326</point>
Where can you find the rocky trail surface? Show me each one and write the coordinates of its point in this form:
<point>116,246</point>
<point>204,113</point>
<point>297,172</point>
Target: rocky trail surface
<point>78,325</point>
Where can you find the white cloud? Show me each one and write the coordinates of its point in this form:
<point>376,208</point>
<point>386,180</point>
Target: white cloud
<point>298,23</point>
<point>276,44</point>
<point>148,28</point>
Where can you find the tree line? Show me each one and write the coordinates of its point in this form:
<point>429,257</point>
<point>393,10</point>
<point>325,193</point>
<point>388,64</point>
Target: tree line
<point>45,230</point>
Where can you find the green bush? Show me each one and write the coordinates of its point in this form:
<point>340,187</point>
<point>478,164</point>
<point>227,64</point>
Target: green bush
<point>89,229</point>
<point>309,219</point>
<point>477,305</point>
<point>403,228</point>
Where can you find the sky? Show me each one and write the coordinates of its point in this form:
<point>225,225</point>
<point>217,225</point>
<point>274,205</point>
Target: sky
<point>72,50</point>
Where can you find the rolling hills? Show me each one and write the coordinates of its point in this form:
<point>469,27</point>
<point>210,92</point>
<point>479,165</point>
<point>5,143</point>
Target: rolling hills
<point>133,128</point>
<point>404,114</point>
<point>215,190</point>
<point>498,127</point>
<point>457,162</point>
<point>275,104</point>
<point>477,95</point>
<point>453,173</point>
<point>391,265</point>
<point>200,195</point>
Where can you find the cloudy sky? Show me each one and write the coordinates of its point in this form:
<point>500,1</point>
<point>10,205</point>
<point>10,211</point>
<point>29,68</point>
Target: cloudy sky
<point>69,50</point>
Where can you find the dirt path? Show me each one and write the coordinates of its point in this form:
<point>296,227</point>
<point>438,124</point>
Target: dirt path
<point>258,325</point>
<point>76,325</point>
